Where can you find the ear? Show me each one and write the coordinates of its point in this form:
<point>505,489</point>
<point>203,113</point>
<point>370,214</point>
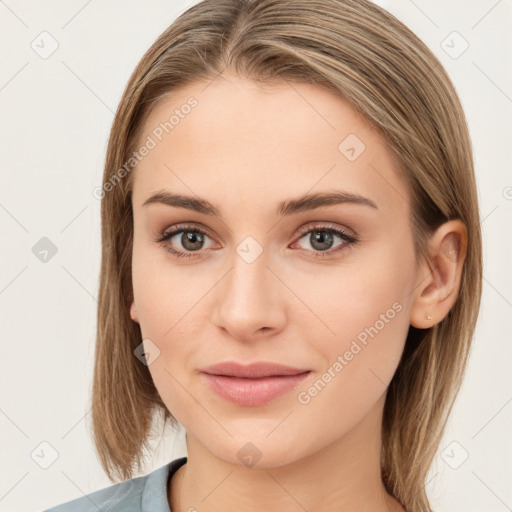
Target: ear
<point>439,277</point>
<point>133,312</point>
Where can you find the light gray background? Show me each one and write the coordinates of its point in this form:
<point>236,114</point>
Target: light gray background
<point>55,117</point>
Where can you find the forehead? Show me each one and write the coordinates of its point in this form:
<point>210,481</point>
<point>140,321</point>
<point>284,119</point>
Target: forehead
<point>244,141</point>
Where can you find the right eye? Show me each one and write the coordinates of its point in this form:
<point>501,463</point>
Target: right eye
<point>189,241</point>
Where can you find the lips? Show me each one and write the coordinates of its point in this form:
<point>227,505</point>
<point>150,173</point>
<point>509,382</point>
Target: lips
<point>254,384</point>
<point>253,370</point>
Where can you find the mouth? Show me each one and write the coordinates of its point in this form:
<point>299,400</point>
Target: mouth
<point>253,370</point>
<point>254,384</point>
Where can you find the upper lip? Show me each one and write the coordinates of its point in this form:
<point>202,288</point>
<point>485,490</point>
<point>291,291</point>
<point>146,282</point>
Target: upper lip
<point>253,370</point>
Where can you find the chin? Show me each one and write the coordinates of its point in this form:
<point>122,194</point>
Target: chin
<point>253,447</point>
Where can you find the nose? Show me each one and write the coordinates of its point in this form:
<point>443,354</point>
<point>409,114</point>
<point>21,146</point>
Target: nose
<point>249,301</point>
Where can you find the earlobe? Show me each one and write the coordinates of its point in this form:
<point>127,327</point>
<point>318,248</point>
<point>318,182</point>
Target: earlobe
<point>133,312</point>
<point>439,277</point>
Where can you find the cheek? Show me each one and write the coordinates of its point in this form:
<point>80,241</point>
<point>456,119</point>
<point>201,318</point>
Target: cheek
<point>169,302</point>
<point>351,303</point>
<point>369,316</point>
<point>365,320</point>
<point>164,294</point>
<point>165,315</point>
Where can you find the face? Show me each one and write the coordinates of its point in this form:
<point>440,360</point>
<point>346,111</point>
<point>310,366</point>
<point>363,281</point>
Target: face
<point>321,286</point>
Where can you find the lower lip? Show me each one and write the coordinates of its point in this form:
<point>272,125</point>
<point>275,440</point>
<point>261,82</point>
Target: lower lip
<point>253,392</point>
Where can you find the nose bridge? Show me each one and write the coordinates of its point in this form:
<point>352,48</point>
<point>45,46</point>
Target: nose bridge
<point>248,298</point>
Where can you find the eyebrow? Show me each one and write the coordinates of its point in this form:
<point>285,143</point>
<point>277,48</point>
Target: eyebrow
<point>285,208</point>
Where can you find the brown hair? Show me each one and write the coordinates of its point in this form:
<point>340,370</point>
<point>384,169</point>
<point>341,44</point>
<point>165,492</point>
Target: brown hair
<point>364,54</point>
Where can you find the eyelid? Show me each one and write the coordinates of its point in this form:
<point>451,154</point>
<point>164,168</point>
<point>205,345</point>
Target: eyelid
<point>183,226</point>
<point>325,225</point>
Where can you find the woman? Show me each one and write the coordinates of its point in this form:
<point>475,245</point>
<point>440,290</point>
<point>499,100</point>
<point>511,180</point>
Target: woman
<point>291,262</point>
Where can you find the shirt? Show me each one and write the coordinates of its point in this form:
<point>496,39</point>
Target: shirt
<point>143,494</point>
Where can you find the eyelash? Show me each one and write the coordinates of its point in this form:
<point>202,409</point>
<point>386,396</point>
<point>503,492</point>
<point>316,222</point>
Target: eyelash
<point>183,228</point>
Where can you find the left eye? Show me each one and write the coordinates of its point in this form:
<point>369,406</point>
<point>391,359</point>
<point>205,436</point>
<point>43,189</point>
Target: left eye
<point>322,239</point>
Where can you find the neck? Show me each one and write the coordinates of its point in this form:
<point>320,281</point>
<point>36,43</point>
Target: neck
<point>343,476</point>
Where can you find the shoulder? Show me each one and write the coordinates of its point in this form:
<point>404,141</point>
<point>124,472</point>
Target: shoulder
<point>124,496</point>
<point>141,494</point>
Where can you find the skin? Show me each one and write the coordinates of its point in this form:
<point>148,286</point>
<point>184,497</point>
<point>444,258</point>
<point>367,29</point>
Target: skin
<point>245,148</point>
